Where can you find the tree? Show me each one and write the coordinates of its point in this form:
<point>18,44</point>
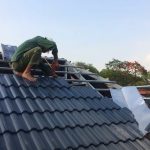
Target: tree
<point>115,64</point>
<point>121,77</point>
<point>133,68</point>
<point>90,67</point>
<point>125,72</point>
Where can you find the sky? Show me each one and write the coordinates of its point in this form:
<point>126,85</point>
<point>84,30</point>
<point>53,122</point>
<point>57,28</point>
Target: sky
<point>91,31</point>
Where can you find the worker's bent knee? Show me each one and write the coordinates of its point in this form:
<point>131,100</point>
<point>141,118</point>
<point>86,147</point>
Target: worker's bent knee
<point>37,50</point>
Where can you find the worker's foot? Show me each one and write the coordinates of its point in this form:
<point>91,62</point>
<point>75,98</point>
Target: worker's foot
<point>17,73</point>
<point>53,74</point>
<point>29,77</point>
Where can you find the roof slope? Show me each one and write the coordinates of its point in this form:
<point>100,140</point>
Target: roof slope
<point>51,114</point>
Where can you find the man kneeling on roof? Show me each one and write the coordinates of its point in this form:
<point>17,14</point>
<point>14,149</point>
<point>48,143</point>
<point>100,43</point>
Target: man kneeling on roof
<point>28,54</point>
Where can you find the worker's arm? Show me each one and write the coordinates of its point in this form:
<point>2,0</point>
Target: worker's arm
<point>55,52</point>
<point>48,45</point>
<point>55,63</point>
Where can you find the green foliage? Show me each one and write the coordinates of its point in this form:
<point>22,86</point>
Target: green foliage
<point>123,72</point>
<point>133,68</point>
<point>89,67</point>
<point>121,77</point>
<point>148,74</point>
<point>115,64</point>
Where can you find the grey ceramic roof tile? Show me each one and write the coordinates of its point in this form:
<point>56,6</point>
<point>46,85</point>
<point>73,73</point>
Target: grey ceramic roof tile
<point>133,145</point>
<point>51,114</point>
<point>24,105</point>
<point>84,92</point>
<point>12,80</point>
<point>57,120</point>
<point>38,104</point>
<point>81,136</point>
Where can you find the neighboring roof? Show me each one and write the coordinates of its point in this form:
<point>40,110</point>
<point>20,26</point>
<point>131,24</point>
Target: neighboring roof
<point>52,114</point>
<point>148,128</point>
<point>145,92</point>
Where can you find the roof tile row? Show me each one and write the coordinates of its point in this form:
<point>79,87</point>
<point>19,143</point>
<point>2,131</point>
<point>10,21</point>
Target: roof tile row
<point>51,114</point>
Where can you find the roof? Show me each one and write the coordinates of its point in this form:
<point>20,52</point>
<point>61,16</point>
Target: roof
<point>145,92</point>
<point>148,127</point>
<point>52,114</point>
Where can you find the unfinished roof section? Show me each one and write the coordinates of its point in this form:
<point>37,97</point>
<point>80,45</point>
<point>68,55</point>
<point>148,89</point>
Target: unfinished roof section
<point>71,73</point>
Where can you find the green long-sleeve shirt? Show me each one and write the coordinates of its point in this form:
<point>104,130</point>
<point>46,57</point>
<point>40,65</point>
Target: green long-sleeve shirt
<point>45,44</point>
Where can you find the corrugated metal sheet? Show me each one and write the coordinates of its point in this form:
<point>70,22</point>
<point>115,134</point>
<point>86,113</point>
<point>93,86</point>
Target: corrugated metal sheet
<point>51,114</point>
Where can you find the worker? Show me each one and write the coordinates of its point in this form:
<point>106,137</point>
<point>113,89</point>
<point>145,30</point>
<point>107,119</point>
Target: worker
<point>28,54</point>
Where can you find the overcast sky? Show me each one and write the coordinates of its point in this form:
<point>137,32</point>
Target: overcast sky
<point>92,31</point>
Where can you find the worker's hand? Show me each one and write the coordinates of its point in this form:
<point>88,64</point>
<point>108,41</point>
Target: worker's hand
<point>55,65</point>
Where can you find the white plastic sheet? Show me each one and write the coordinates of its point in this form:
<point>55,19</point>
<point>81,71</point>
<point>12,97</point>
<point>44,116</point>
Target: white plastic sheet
<point>130,97</point>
